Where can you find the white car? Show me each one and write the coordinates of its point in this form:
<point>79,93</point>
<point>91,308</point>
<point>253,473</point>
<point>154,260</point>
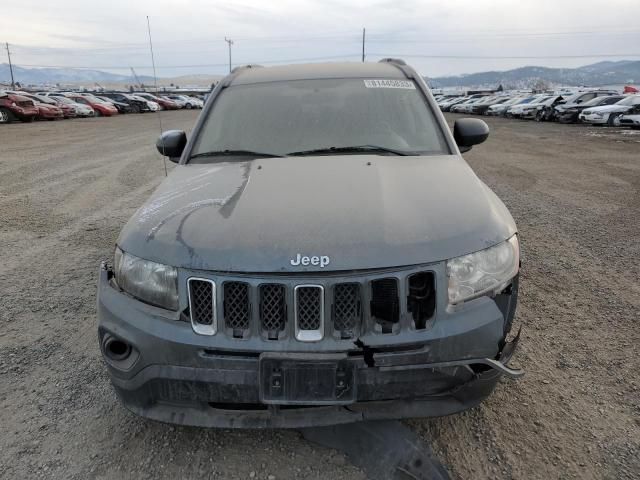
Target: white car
<point>153,106</point>
<point>446,104</point>
<point>609,114</point>
<point>465,107</point>
<point>186,101</point>
<point>535,110</point>
<point>81,109</point>
<point>501,108</point>
<point>175,99</point>
<point>517,110</point>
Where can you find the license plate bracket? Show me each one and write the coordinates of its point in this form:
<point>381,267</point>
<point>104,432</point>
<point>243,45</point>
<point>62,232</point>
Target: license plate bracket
<point>306,379</point>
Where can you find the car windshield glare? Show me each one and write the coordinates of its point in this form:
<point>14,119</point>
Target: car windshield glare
<point>307,115</point>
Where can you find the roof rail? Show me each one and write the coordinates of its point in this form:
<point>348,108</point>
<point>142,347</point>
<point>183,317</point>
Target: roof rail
<point>245,67</point>
<point>395,61</point>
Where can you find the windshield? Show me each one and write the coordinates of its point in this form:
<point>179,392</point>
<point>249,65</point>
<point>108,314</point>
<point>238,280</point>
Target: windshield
<point>63,100</point>
<point>594,102</point>
<point>301,115</point>
<point>631,100</point>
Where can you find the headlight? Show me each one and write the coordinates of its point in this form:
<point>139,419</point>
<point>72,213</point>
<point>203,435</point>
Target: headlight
<point>148,281</point>
<point>484,272</point>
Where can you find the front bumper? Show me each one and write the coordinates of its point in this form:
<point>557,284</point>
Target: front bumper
<point>174,375</point>
<point>566,116</point>
<point>593,119</point>
<point>630,121</point>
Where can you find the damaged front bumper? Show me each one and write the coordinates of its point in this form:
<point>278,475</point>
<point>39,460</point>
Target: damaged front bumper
<point>170,374</point>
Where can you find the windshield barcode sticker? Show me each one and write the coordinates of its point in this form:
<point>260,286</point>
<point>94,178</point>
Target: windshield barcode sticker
<point>390,84</point>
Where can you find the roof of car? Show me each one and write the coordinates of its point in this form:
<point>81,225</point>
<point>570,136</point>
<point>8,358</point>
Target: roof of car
<point>308,71</point>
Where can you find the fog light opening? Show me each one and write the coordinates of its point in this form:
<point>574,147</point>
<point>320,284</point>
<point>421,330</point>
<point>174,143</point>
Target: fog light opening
<point>115,349</point>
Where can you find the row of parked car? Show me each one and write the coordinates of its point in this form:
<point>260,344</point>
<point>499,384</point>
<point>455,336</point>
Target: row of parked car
<point>29,106</point>
<point>596,107</point>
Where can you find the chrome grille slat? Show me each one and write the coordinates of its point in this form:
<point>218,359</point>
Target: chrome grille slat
<point>309,312</point>
<point>202,305</point>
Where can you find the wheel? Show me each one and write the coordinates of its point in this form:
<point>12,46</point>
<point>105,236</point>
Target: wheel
<point>5,116</point>
<point>27,119</point>
<point>539,116</point>
<point>188,106</point>
<point>614,120</point>
<point>135,108</point>
<point>97,113</point>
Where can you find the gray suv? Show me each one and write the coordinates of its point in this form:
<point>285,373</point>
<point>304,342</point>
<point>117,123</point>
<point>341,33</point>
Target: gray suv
<point>321,254</point>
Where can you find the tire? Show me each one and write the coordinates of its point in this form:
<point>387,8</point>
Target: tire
<point>97,113</point>
<point>135,109</point>
<point>614,120</point>
<point>27,119</point>
<point>539,116</point>
<point>188,106</point>
<point>5,116</point>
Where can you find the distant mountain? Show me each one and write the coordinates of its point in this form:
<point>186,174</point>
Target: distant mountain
<point>602,73</point>
<point>40,76</point>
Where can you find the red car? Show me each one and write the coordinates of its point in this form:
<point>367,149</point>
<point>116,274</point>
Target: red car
<point>48,112</point>
<point>101,108</point>
<point>14,106</point>
<point>47,109</point>
<point>68,111</point>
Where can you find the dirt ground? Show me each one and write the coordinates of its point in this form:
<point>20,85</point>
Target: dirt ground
<point>66,189</point>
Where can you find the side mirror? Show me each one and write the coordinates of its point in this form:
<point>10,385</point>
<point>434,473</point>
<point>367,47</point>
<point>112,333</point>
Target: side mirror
<point>171,144</point>
<point>468,132</point>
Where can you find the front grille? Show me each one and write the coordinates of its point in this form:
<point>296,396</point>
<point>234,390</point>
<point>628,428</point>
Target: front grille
<point>237,309</point>
<point>279,307</point>
<point>273,309</point>
<point>347,309</point>
<point>202,305</point>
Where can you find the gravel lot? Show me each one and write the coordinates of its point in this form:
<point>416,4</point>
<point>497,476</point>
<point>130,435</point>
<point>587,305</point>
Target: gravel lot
<point>66,188</point>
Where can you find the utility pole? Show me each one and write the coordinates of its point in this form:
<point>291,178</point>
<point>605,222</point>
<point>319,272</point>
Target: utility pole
<point>13,83</point>
<point>363,33</point>
<point>230,42</point>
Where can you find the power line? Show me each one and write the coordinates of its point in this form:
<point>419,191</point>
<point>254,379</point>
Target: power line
<point>203,65</point>
<point>508,57</point>
<point>390,37</point>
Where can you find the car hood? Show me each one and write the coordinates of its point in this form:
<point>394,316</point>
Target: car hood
<point>362,211</point>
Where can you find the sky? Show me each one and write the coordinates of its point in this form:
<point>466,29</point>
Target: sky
<point>445,37</point>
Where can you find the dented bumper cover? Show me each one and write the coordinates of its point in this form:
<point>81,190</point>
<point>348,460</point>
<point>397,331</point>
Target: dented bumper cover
<point>174,375</point>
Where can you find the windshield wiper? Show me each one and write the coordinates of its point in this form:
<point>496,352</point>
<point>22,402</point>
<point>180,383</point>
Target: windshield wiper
<point>224,153</point>
<point>355,148</point>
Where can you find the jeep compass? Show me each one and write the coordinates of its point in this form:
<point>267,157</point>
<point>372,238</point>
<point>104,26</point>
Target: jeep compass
<point>320,254</point>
